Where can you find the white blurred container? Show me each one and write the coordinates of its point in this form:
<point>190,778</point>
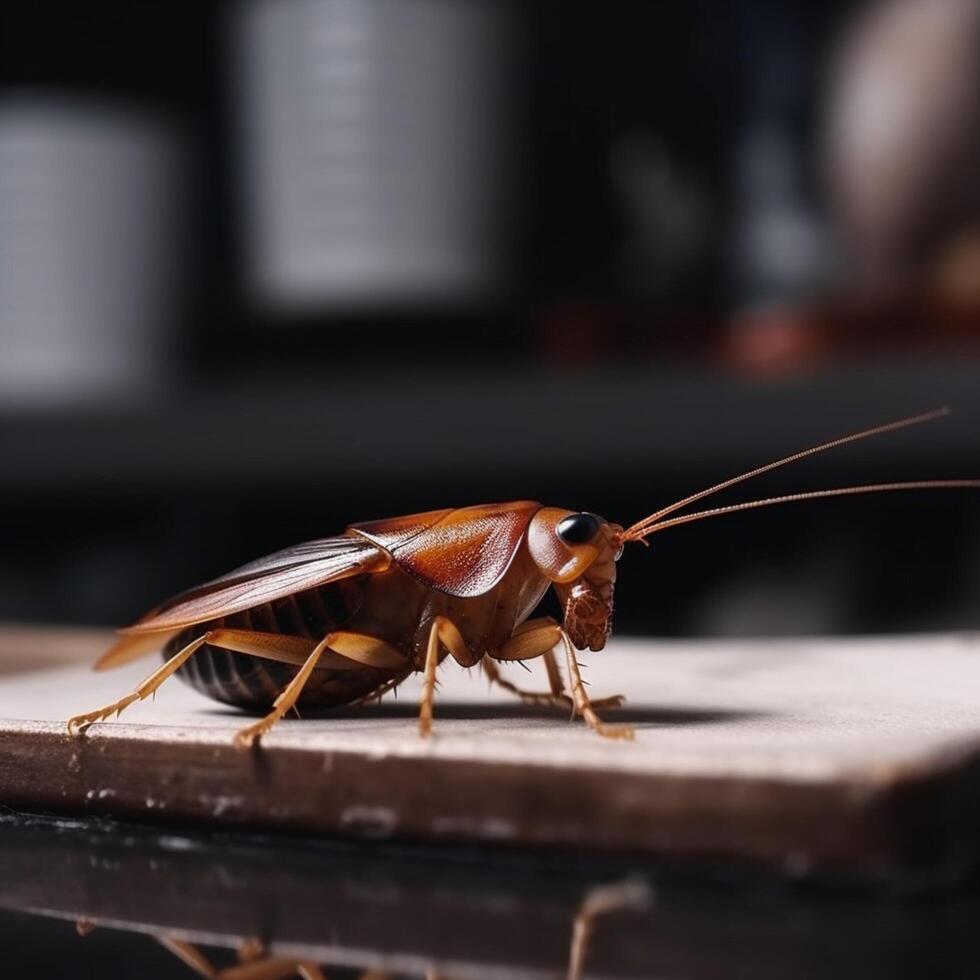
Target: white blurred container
<point>88,250</point>
<point>377,150</point>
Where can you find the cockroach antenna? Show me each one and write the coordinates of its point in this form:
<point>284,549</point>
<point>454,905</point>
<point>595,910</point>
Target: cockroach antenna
<point>641,530</point>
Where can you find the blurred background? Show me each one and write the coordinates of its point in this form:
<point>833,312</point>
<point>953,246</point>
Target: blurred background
<point>268,268</point>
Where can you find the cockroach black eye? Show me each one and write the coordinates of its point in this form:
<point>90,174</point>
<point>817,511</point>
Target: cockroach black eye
<point>578,529</point>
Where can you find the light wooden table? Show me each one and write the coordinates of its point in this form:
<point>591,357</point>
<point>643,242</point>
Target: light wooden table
<point>837,755</point>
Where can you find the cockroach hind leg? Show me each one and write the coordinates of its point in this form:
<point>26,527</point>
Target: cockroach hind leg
<point>78,723</point>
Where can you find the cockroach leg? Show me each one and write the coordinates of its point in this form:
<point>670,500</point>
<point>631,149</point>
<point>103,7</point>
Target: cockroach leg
<point>144,690</point>
<point>379,692</point>
<point>429,681</point>
<point>442,631</point>
<point>270,646</point>
<point>555,681</point>
<point>583,705</point>
<point>339,650</point>
<point>250,949</point>
<point>189,955</point>
<point>539,698</point>
<point>537,638</point>
<point>556,698</point>
<point>281,647</point>
<point>610,703</point>
<point>629,894</point>
<point>252,965</point>
<point>534,639</point>
<point>367,651</point>
<point>348,651</point>
<point>310,971</point>
<point>287,698</point>
<point>269,969</point>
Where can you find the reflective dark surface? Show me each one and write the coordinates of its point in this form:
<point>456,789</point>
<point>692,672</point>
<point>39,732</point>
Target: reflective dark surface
<point>110,901</point>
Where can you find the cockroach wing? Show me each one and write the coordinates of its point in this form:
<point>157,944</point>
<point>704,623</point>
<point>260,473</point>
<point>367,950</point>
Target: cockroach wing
<point>276,576</point>
<point>393,532</point>
<point>463,552</point>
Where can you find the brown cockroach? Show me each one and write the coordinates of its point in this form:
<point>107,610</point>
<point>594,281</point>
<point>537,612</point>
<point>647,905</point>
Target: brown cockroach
<point>343,620</point>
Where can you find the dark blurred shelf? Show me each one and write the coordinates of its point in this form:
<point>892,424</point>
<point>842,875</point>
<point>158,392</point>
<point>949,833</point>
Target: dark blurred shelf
<point>418,427</point>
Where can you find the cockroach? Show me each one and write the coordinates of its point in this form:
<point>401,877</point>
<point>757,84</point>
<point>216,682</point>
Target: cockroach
<point>343,620</point>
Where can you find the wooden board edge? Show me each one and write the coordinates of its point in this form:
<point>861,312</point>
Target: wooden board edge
<point>918,820</point>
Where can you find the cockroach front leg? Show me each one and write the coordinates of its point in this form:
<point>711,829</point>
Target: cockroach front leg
<point>537,638</point>
<point>583,705</point>
<point>555,699</point>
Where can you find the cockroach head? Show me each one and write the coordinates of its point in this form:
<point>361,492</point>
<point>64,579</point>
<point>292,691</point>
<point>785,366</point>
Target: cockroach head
<point>565,544</point>
<point>577,551</point>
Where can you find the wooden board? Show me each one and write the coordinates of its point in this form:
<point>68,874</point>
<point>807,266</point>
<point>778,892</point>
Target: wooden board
<point>851,755</point>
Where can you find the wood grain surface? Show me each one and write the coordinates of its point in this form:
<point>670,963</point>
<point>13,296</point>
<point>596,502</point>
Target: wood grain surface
<point>840,755</point>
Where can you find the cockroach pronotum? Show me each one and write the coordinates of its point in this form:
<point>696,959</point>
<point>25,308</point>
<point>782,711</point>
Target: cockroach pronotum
<point>343,620</point>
